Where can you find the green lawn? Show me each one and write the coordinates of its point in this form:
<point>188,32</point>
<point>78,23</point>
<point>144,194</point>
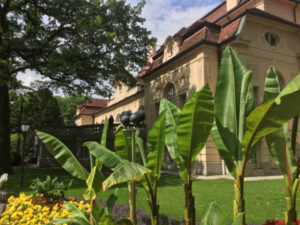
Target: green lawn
<point>264,199</point>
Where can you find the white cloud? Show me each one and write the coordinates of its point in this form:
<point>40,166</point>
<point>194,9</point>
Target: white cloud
<point>28,77</point>
<point>166,17</point>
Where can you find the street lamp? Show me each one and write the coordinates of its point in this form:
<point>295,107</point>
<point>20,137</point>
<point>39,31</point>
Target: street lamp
<point>132,122</point>
<point>25,128</point>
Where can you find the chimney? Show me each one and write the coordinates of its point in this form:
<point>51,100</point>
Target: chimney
<point>230,4</point>
<point>152,51</point>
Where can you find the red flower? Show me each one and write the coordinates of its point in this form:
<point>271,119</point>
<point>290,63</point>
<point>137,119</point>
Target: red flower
<point>44,201</point>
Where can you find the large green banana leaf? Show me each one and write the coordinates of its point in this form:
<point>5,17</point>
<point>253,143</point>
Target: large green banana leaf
<point>140,147</point>
<point>225,154</point>
<point>63,155</point>
<point>94,182</point>
<point>278,142</point>
<point>104,155</point>
<point>77,216</point>
<point>271,115</point>
<point>234,99</point>
<point>213,215</point>
<point>102,141</point>
<point>126,172</point>
<point>195,122</point>
<point>156,145</point>
<point>123,143</point>
<point>172,120</point>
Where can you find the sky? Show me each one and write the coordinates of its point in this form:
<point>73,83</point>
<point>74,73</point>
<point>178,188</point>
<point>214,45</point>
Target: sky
<point>163,18</point>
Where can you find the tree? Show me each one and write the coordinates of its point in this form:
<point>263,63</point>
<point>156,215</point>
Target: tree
<point>40,108</point>
<point>76,45</point>
<point>68,106</point>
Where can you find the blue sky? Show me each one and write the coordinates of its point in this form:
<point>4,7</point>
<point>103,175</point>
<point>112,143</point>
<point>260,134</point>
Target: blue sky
<point>163,18</point>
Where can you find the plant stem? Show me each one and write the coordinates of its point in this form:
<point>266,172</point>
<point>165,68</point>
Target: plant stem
<point>239,202</point>
<point>290,200</point>
<point>152,201</point>
<point>189,212</point>
<point>132,202</point>
<point>91,213</point>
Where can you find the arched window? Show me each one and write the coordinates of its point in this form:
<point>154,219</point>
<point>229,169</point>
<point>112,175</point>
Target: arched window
<point>169,92</point>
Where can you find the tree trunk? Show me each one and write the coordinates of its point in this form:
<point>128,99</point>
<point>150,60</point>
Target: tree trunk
<point>239,202</point>
<point>189,212</point>
<point>5,159</point>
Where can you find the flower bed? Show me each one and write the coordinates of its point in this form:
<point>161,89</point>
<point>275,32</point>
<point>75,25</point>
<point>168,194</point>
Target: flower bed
<point>34,210</point>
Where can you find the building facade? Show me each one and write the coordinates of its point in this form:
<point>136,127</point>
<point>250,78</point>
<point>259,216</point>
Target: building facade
<point>263,32</point>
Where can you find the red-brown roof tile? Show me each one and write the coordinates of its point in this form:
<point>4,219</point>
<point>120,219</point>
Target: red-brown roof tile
<point>216,13</point>
<point>95,102</point>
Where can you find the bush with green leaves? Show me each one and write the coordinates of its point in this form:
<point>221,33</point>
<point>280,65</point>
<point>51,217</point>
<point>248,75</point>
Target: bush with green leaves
<point>52,190</point>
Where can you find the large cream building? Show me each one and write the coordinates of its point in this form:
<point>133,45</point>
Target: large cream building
<point>263,32</point>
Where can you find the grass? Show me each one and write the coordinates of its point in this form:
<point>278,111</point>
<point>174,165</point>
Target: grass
<point>264,199</point>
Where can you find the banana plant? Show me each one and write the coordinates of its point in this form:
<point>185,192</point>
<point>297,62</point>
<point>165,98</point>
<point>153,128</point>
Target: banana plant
<point>187,131</point>
<point>124,140</point>
<point>93,180</point>
<point>239,127</point>
<point>282,150</point>
<point>148,175</point>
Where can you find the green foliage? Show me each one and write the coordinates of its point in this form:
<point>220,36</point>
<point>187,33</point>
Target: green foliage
<point>94,182</point>
<point>126,172</point>
<point>63,155</point>
<point>68,106</point>
<point>195,123</point>
<point>74,45</point>
<point>50,188</point>
<point>129,171</point>
<point>156,146</point>
<point>187,132</point>
<point>282,150</point>
<point>40,108</point>
<point>239,130</point>
<point>104,155</point>
<point>77,216</point>
<point>123,143</point>
<point>213,215</point>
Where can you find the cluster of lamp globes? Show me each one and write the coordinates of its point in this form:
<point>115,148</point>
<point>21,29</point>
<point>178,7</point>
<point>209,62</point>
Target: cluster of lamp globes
<point>132,119</point>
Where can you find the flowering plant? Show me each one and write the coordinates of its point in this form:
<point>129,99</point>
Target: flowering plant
<point>24,210</point>
<point>49,191</point>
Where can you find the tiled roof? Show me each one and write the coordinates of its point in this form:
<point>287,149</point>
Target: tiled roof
<point>89,111</point>
<point>194,34</point>
<point>203,31</point>
<point>95,102</point>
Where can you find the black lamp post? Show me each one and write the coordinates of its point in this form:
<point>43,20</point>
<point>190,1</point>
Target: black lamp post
<point>132,122</point>
<point>25,128</point>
